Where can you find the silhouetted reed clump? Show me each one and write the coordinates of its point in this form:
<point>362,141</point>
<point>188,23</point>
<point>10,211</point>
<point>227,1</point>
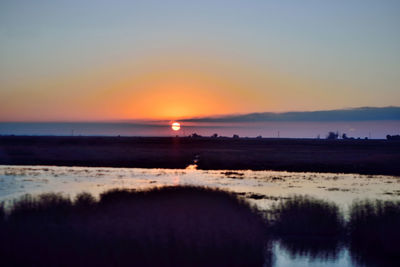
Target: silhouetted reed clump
<point>2,213</point>
<point>308,226</point>
<point>168,226</point>
<point>374,231</point>
<point>190,226</point>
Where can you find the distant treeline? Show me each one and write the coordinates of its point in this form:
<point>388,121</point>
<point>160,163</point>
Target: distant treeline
<point>393,137</point>
<point>190,226</point>
<point>330,136</point>
<point>336,135</point>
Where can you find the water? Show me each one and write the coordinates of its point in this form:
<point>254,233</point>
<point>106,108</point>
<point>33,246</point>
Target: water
<point>284,258</point>
<point>262,188</point>
<point>304,129</point>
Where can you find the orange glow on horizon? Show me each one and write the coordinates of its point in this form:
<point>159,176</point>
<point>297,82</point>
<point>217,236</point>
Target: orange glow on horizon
<point>164,88</point>
<point>175,95</point>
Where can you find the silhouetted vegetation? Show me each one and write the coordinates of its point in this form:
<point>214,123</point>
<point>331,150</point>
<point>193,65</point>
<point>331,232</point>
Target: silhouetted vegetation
<point>374,231</point>
<point>393,137</point>
<point>195,135</point>
<point>1,213</point>
<point>345,137</point>
<point>308,226</point>
<point>332,136</point>
<point>169,226</point>
<point>190,226</point>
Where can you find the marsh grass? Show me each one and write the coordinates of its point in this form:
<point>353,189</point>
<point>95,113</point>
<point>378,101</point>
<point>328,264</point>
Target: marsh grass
<point>374,232</point>
<point>168,226</point>
<point>2,213</point>
<point>40,209</point>
<point>190,226</point>
<point>307,226</point>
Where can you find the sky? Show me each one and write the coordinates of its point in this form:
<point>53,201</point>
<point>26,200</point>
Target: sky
<point>105,60</point>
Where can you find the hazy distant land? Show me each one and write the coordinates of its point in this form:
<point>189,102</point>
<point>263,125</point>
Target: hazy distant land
<point>371,122</point>
<point>350,114</point>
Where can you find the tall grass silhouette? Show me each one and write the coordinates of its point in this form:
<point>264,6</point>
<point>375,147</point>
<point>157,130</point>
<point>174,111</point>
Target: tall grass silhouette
<point>374,231</point>
<point>2,213</point>
<point>168,226</point>
<point>307,226</point>
<point>190,226</point>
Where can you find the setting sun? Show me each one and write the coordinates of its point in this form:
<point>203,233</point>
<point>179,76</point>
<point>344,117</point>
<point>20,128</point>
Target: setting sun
<point>176,126</point>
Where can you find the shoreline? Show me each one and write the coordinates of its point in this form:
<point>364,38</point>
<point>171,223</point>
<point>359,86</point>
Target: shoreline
<point>373,157</point>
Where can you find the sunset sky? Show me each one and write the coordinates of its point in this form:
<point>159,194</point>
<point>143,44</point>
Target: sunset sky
<point>103,60</point>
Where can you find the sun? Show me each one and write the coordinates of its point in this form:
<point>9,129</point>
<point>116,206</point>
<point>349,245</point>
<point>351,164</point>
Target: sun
<point>176,126</point>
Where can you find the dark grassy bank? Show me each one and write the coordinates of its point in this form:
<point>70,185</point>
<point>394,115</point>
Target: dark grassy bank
<point>308,226</point>
<point>170,226</point>
<point>374,231</point>
<point>347,156</point>
<point>316,228</point>
<point>190,226</point>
